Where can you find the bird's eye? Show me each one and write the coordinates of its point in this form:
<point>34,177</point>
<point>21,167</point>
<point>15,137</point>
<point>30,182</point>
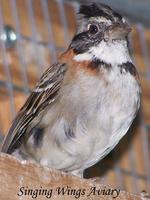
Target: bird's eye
<point>93,29</point>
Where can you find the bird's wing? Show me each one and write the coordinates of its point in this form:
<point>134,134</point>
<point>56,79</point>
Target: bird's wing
<point>43,96</point>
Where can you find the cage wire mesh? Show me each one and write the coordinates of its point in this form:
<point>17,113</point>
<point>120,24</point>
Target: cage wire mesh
<point>32,35</point>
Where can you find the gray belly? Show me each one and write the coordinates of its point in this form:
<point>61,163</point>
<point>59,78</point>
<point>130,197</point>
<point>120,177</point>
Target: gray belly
<point>80,139</point>
<point>92,138</point>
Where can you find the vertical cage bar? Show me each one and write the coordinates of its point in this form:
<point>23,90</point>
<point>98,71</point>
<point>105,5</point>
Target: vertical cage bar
<point>32,22</point>
<point>146,153</point>
<point>48,23</point>
<point>135,186</point>
<point>9,84</point>
<point>1,138</point>
<point>131,150</point>
<point>75,5</point>
<point>19,47</point>
<point>144,134</point>
<point>63,20</point>
<point>144,49</point>
<point>119,174</point>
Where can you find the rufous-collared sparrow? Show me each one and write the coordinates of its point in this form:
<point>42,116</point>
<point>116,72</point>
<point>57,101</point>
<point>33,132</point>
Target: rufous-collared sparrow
<point>83,104</point>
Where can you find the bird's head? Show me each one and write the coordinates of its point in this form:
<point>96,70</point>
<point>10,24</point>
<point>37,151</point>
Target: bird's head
<point>98,26</point>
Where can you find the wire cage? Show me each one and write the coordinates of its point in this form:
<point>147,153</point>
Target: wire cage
<point>32,35</point>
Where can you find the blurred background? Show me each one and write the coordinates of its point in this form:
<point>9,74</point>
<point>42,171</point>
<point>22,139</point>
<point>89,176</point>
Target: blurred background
<point>32,35</point>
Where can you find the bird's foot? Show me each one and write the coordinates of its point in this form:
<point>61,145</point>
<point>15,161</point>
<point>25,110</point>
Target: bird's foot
<point>97,179</point>
<point>145,195</point>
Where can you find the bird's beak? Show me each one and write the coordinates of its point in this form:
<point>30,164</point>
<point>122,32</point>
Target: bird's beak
<point>117,31</point>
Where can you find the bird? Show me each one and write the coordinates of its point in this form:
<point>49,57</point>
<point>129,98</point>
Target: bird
<point>84,103</point>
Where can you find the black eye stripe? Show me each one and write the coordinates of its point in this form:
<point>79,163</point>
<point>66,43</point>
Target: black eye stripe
<point>80,36</point>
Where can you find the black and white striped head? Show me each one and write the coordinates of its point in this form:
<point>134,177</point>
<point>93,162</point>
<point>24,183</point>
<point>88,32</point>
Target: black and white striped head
<point>97,23</point>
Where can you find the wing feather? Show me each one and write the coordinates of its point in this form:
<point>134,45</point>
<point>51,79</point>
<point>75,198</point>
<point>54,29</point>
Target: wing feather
<point>42,97</point>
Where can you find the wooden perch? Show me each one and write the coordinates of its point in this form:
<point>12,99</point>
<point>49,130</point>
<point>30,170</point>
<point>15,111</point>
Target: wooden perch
<point>26,180</point>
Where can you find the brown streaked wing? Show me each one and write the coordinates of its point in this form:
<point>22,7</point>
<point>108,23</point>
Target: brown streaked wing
<point>44,94</point>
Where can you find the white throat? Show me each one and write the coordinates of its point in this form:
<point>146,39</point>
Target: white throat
<point>115,53</point>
